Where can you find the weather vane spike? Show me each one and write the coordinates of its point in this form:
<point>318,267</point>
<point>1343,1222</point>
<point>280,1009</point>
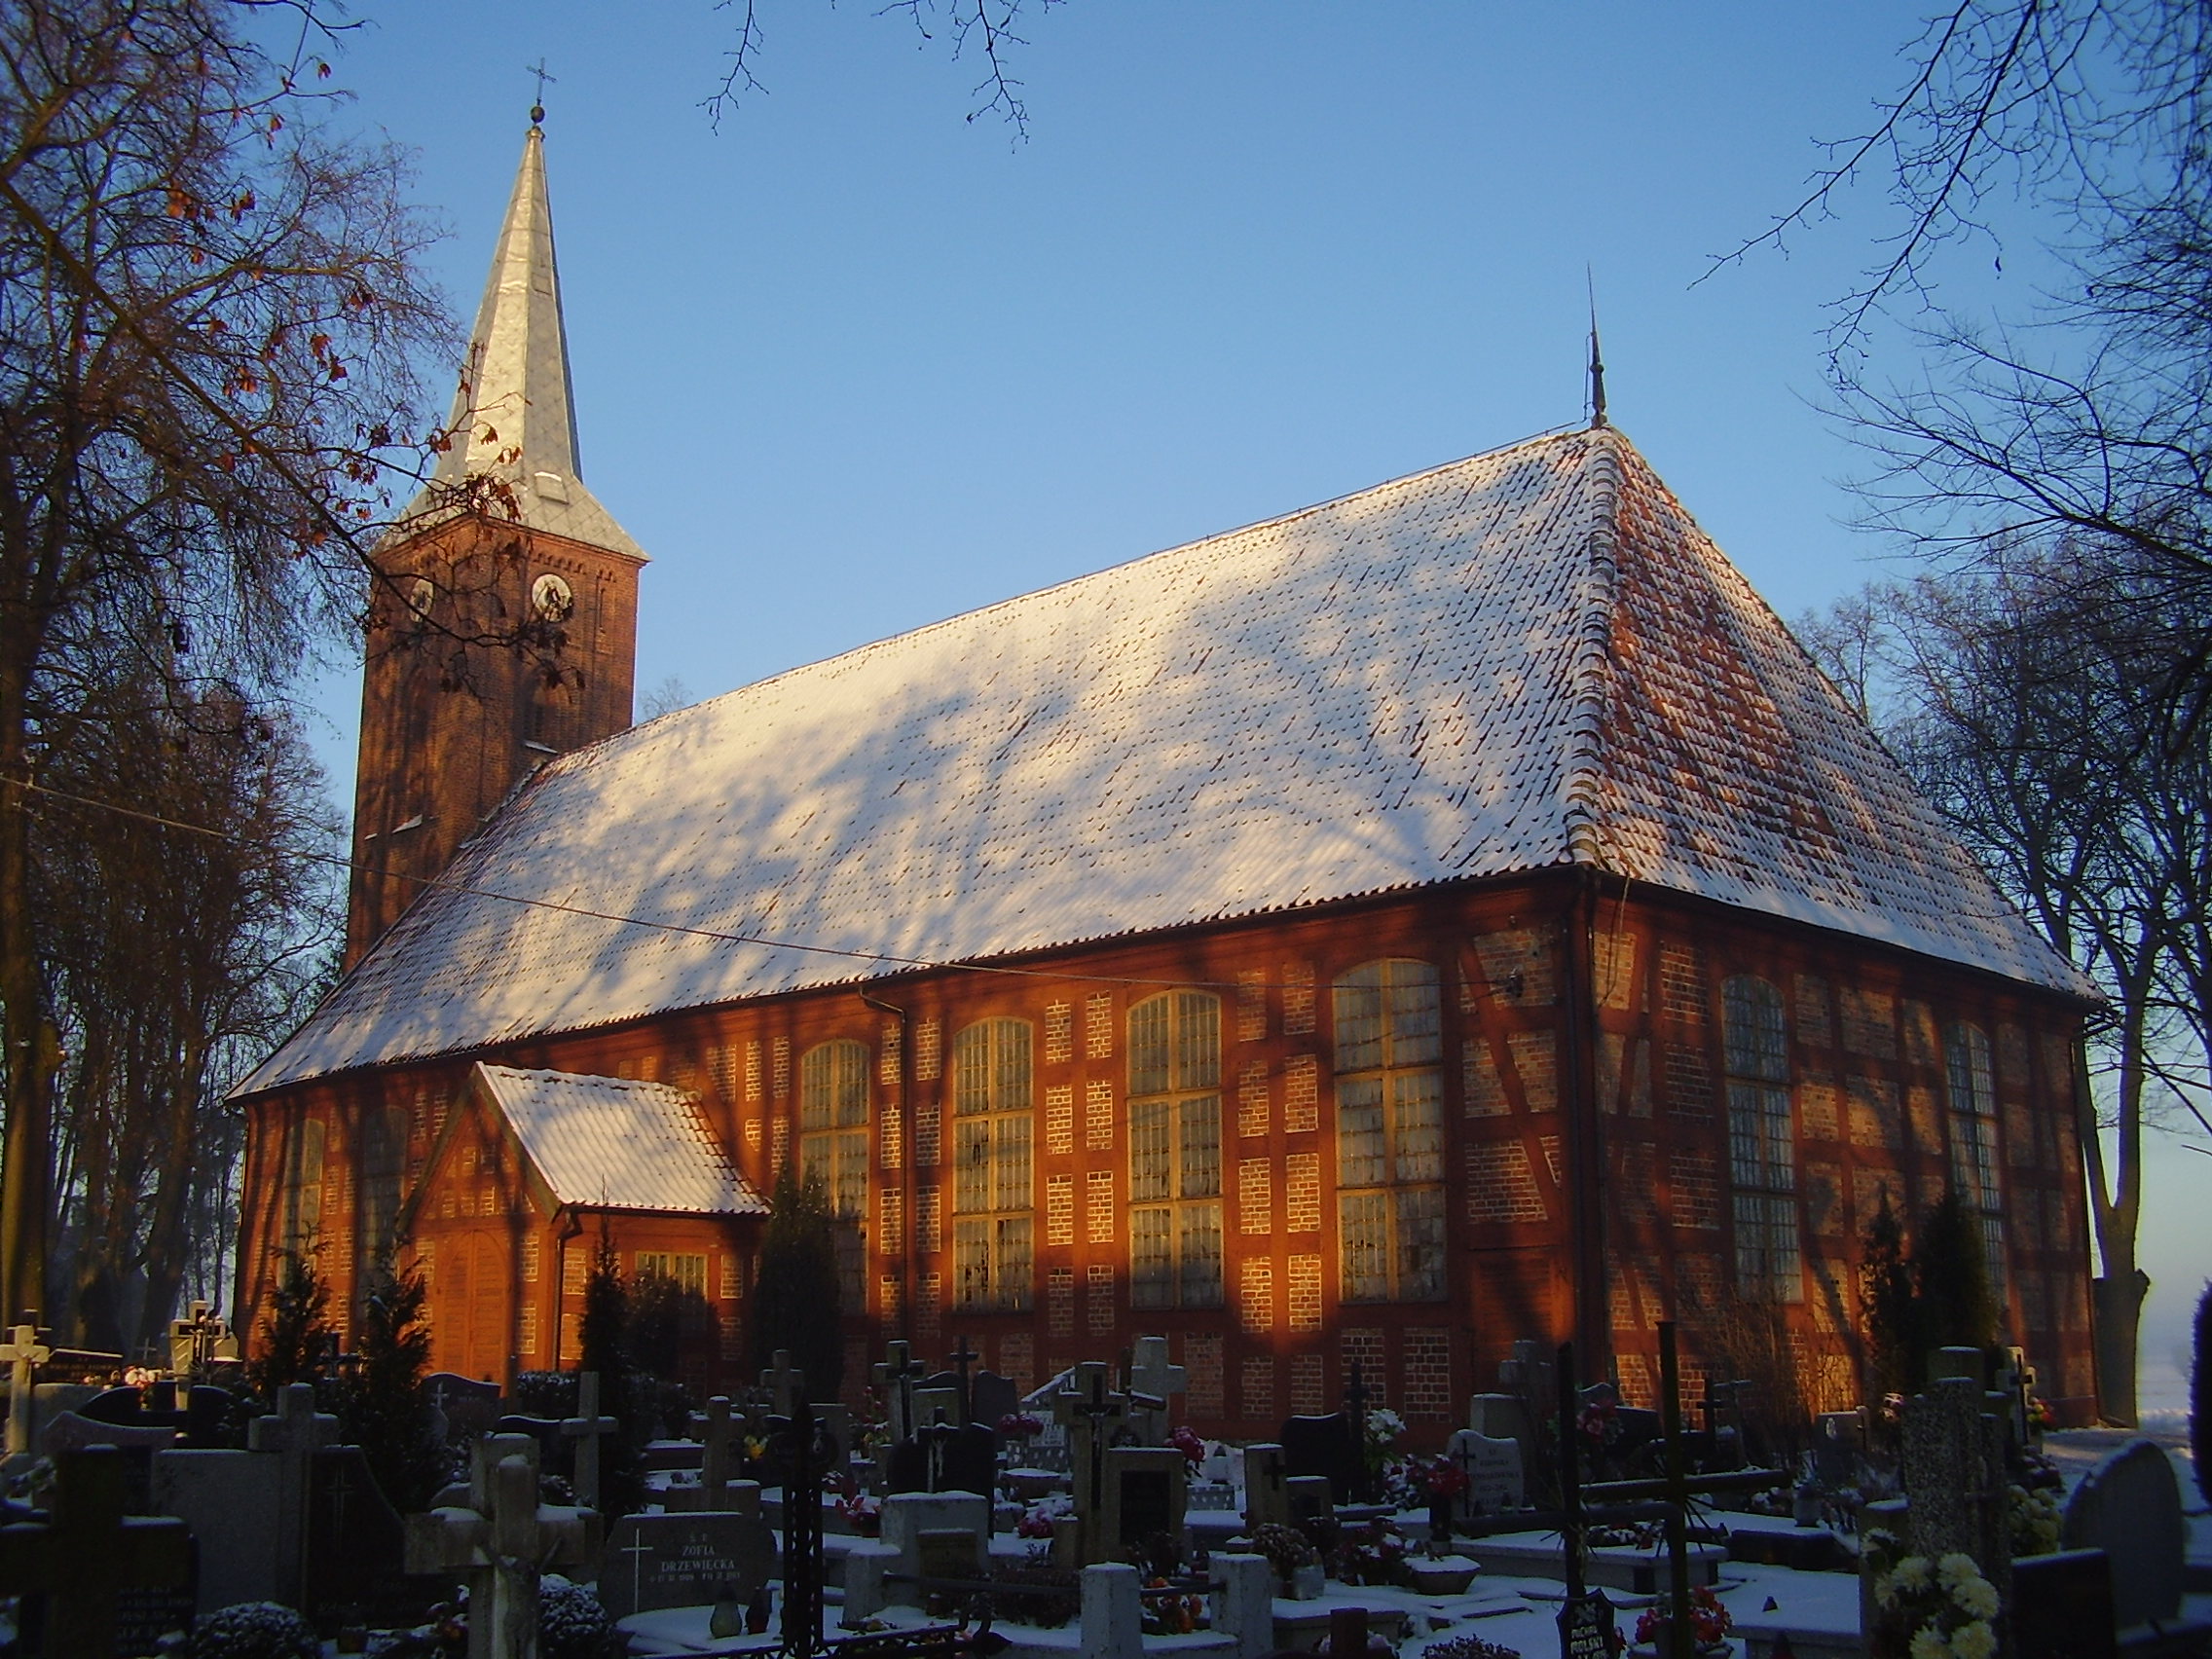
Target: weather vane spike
<point>537,108</point>
<point>1597,361</point>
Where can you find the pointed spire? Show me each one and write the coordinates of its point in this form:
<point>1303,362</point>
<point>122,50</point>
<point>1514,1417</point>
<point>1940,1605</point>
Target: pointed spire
<point>514,417</point>
<point>1597,358</point>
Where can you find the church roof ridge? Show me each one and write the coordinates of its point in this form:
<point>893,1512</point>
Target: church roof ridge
<point>1519,660</point>
<point>514,413</point>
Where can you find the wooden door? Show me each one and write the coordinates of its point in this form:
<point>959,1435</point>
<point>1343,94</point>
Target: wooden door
<point>487,1306</point>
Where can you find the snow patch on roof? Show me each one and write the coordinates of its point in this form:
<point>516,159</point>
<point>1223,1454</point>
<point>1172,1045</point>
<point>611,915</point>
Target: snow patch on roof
<point>1524,659</point>
<point>618,1143</point>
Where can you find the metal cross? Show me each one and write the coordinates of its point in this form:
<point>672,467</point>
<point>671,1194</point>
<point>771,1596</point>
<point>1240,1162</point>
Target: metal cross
<point>537,110</point>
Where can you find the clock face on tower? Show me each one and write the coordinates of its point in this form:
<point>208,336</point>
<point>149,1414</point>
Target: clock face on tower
<point>551,599</point>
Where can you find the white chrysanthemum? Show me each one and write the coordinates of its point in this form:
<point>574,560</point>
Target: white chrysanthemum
<point>1976,1597</point>
<point>1911,1573</point>
<point>1976,1640</point>
<point>1956,1569</point>
<point>1927,1643</point>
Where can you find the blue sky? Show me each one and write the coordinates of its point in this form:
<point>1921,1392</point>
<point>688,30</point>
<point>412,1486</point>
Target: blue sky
<point>854,363</point>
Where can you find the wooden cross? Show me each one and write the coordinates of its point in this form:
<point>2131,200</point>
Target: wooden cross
<point>82,1558</point>
<point>896,1374</point>
<point>293,1434</point>
<point>715,1465</point>
<point>587,1429</point>
<point>783,1381</point>
<point>500,1543</point>
<point>23,1353</point>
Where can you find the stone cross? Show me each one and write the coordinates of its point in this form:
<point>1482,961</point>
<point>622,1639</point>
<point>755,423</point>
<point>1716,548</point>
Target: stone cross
<point>896,1376</point>
<point>961,1358</point>
<point>22,1352</point>
<point>1152,1378</point>
<point>294,1433</point>
<point>714,1464</point>
<point>88,1552</point>
<point>587,1429</point>
<point>782,1382</point>
<point>199,1342</point>
<point>1089,1409</point>
<point>500,1542</point>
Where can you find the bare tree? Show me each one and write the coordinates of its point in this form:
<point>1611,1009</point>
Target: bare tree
<point>209,310</point>
<point>2016,696</point>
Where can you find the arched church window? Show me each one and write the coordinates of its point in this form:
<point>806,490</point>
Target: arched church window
<point>303,1187</point>
<point>1973,1140</point>
<point>832,1148</point>
<point>1175,1151</point>
<point>991,1128</point>
<point>1762,1159</point>
<point>384,1170</point>
<point>1389,1043</point>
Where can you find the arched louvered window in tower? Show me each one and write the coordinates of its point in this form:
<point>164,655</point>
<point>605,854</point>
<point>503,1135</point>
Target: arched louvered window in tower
<point>1389,1041</point>
<point>832,1149</point>
<point>1175,1151</point>
<point>1762,1158</point>
<point>994,1252</point>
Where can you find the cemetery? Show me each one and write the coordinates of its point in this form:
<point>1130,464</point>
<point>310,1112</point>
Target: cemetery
<point>953,1514</point>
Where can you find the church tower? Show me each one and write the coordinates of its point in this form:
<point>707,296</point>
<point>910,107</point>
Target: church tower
<point>502,617</point>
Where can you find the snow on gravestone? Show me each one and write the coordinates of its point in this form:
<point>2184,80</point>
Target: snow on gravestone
<point>1492,1466</point>
<point>2129,1506</point>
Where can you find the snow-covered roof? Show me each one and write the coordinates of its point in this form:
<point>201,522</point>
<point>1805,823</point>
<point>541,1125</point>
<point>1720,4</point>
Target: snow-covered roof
<point>618,1143</point>
<point>1530,658</point>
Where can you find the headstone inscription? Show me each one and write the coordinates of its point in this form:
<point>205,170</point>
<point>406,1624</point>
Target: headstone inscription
<point>1327,1446</point>
<point>2129,1506</point>
<point>83,1559</point>
<point>1493,1472</point>
<point>1586,1627</point>
<point>684,1561</point>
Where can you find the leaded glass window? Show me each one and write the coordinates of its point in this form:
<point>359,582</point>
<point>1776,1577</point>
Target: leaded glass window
<point>993,1125</point>
<point>1973,1140</point>
<point>1762,1158</point>
<point>1389,1036</point>
<point>1175,1151</point>
<point>832,1149</point>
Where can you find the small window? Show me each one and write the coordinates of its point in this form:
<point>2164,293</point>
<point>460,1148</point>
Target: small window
<point>1973,1140</point>
<point>832,1149</point>
<point>1762,1162</point>
<point>1389,1036</point>
<point>992,1254</point>
<point>1175,1151</point>
<point>687,1273</point>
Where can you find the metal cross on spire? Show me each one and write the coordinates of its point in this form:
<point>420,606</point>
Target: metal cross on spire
<point>537,105</point>
<point>1597,361</point>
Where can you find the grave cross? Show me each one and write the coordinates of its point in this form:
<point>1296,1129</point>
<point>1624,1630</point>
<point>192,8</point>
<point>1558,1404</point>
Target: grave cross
<point>715,1462</point>
<point>897,1374</point>
<point>21,1352</point>
<point>803,1543</point>
<point>783,1381</point>
<point>587,1429</point>
<point>961,1359</point>
<point>1152,1378</point>
<point>1087,1410</point>
<point>88,1552</point>
<point>294,1433</point>
<point>197,1342</point>
<point>500,1543</point>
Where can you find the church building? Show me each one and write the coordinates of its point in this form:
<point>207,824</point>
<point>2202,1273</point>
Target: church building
<point>1454,914</point>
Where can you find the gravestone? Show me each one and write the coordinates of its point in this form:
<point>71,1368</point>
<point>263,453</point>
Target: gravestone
<point>2129,1506</point>
<point>992,1398</point>
<point>896,1374</point>
<point>1586,1627</point>
<point>1309,1497</point>
<point>1266,1501</point>
<point>292,1433</point>
<point>23,1353</point>
<point>87,1556</point>
<point>1145,1496</point>
<point>2062,1606</point>
<point>201,1342</point>
<point>683,1561</point>
<point>1954,1479</point>
<point>1089,1411</point>
<point>937,1400</point>
<point>909,1517</point>
<point>961,1459</point>
<point>500,1543</point>
<point>229,1501</point>
<point>784,1383</point>
<point>1494,1470</point>
<point>1327,1446</point>
<point>1838,1437</point>
<point>357,1545</point>
<point>467,1406</point>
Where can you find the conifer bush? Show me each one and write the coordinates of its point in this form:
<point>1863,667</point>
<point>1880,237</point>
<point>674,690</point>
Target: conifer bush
<point>255,1630</point>
<point>798,1305</point>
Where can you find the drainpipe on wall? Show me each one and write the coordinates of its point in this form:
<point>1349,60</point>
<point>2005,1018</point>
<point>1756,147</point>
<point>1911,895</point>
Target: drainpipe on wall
<point>906,1216</point>
<point>571,1226</point>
